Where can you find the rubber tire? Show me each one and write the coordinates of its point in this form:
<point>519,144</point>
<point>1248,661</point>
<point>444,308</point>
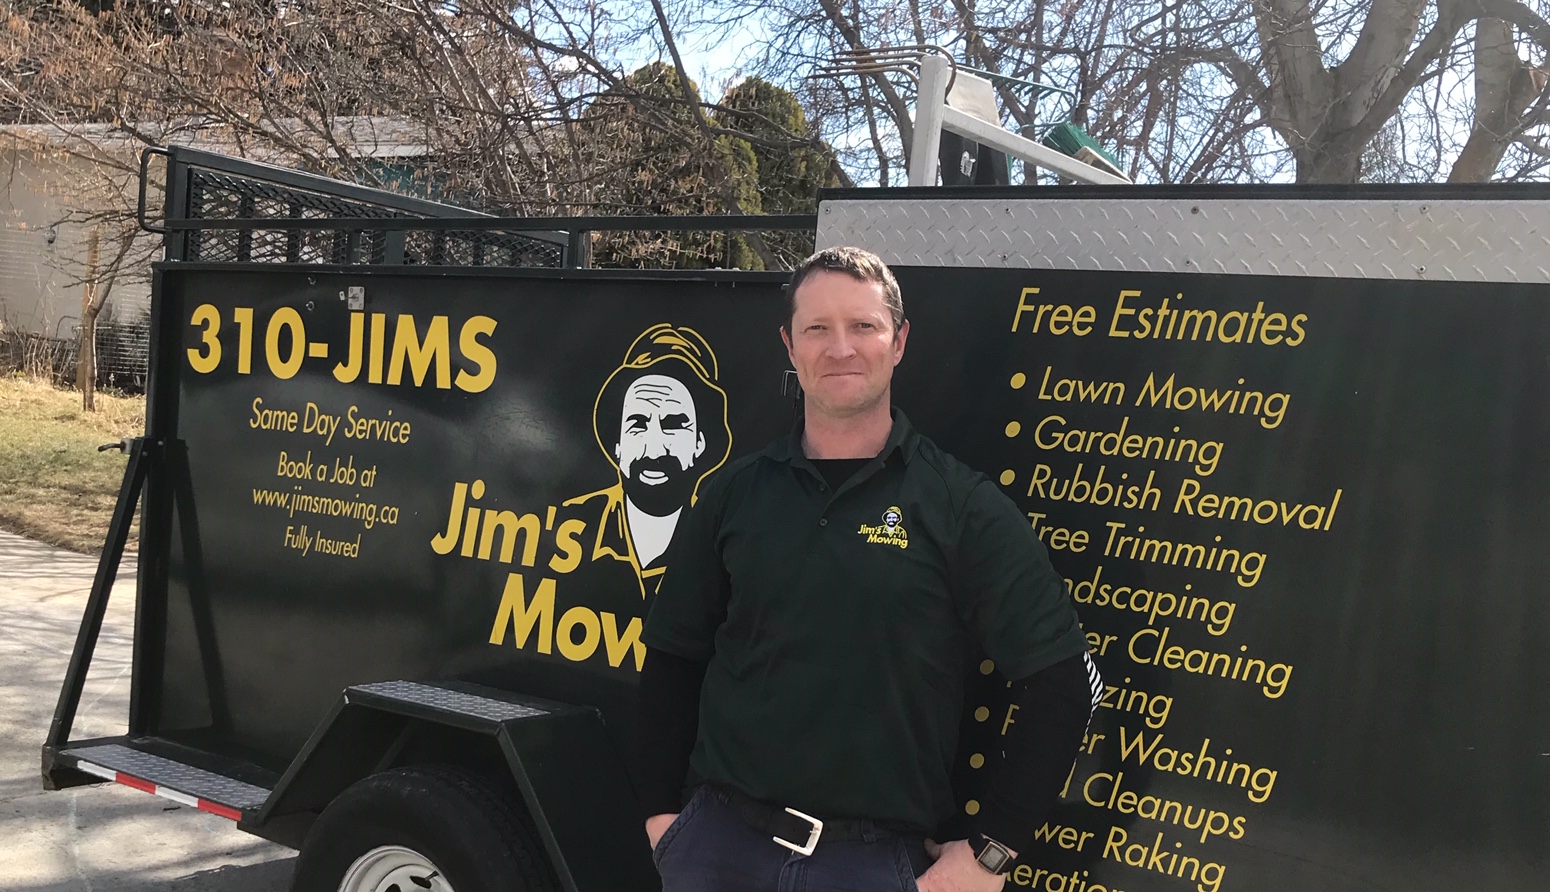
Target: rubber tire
<point>478,838</point>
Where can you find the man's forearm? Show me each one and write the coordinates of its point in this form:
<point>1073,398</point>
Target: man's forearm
<point>669,718</point>
<point>1024,785</point>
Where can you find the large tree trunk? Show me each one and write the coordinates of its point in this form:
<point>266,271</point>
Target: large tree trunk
<point>1504,88</point>
<point>1328,116</point>
<point>1328,160</point>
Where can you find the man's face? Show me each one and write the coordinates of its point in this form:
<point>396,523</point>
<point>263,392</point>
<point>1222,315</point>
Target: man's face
<point>843,345</point>
<point>659,441</point>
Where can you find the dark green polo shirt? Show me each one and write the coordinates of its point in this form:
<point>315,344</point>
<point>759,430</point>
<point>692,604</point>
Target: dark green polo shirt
<point>839,626</point>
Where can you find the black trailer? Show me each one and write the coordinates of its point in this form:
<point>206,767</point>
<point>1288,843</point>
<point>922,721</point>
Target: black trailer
<point>1285,444</point>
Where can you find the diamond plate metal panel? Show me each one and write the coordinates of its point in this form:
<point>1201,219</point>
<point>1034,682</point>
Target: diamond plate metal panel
<point>1464,241</point>
<point>174,775</point>
<point>452,701</point>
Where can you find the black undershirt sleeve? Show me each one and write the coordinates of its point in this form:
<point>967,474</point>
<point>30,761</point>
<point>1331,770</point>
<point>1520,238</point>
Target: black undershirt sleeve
<point>1054,706</point>
<point>668,722</point>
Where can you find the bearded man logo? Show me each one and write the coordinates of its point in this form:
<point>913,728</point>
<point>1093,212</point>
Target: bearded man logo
<point>661,420</point>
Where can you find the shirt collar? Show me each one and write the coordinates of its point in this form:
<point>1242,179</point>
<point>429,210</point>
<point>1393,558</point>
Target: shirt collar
<point>902,438</point>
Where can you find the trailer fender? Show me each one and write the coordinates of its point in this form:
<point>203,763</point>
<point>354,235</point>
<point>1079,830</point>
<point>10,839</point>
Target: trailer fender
<point>560,763</point>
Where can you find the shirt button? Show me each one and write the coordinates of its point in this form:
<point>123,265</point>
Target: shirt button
<point>823,487</point>
<point>823,521</point>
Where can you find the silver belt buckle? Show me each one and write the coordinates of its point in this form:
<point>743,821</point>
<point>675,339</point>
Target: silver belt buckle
<point>812,835</point>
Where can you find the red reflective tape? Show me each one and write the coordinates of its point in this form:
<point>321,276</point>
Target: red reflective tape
<point>215,808</point>
<point>138,784</point>
<point>145,786</point>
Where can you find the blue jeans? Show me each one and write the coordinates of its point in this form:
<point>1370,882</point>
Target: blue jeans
<point>710,849</point>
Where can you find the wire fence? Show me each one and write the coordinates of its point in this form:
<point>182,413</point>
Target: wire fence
<point>123,353</point>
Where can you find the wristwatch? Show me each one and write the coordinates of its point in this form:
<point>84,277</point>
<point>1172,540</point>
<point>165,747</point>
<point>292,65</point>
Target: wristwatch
<point>992,855</point>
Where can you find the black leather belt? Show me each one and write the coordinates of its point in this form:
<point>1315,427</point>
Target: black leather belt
<point>800,832</point>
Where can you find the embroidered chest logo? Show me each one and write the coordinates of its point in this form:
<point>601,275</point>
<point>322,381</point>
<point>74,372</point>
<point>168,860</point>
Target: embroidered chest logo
<point>890,532</point>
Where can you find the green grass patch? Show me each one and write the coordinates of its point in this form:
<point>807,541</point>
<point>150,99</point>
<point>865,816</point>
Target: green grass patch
<point>54,485</point>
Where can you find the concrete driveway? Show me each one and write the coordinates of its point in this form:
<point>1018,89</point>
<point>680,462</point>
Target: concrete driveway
<point>106,837</point>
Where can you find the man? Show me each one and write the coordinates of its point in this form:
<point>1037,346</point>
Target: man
<point>808,649</point>
<point>661,419</point>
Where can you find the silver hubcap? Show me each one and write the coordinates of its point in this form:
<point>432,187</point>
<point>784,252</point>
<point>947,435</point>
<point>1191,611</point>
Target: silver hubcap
<point>393,869</point>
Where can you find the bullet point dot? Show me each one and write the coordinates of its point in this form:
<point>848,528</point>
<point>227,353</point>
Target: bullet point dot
<point>981,714</point>
<point>972,807</point>
<point>976,761</point>
<point>1013,429</point>
<point>1008,476</point>
<point>987,667</point>
<point>1018,380</point>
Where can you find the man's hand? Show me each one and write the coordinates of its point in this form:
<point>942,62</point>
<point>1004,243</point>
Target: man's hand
<point>956,870</point>
<point>656,825</point>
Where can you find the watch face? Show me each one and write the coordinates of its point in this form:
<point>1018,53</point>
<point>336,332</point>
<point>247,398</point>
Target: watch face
<point>994,858</point>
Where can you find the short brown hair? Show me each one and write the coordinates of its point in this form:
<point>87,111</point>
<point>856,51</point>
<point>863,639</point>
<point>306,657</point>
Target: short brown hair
<point>861,265</point>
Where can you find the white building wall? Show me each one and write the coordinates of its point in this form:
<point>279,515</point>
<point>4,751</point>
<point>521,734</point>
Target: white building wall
<point>45,199</point>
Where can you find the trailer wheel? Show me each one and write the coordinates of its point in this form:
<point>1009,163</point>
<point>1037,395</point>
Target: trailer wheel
<point>426,828</point>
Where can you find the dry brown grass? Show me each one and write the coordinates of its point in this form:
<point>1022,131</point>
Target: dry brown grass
<point>54,485</point>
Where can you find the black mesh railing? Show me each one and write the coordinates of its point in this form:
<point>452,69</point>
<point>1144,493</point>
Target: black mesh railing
<point>221,196</point>
<point>226,210</point>
<point>479,248</point>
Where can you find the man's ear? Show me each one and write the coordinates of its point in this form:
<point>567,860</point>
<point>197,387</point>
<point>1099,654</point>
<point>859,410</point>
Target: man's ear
<point>899,338</point>
<point>785,338</point>
<point>699,444</point>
